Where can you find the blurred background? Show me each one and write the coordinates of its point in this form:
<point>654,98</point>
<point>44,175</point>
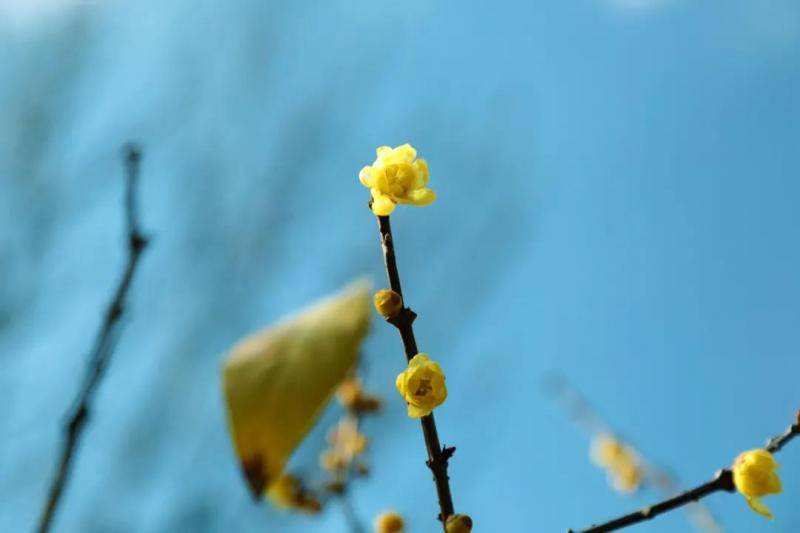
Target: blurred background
<point>616,204</point>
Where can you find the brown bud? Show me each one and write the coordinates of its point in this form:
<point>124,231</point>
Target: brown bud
<point>351,395</point>
<point>361,469</point>
<point>458,523</point>
<point>388,303</point>
<point>336,487</point>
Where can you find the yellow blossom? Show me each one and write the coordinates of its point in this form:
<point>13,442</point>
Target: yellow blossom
<point>388,303</point>
<point>755,476</point>
<point>288,492</point>
<point>346,443</point>
<point>352,395</point>
<point>396,177</point>
<point>458,523</point>
<point>623,465</point>
<point>422,385</point>
<point>389,522</point>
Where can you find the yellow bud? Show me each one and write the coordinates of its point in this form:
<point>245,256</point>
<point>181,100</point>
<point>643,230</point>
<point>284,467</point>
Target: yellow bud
<point>422,386</point>
<point>352,395</point>
<point>388,303</point>
<point>396,177</point>
<point>458,523</point>
<point>755,475</point>
<point>389,522</point>
<point>624,468</point>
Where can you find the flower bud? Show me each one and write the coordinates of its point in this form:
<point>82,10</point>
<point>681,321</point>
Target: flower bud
<point>621,462</point>
<point>458,523</point>
<point>352,395</point>
<point>288,492</point>
<point>754,474</point>
<point>389,522</point>
<point>388,303</point>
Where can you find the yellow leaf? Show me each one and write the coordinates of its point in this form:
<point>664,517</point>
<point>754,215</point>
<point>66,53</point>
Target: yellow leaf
<point>277,381</point>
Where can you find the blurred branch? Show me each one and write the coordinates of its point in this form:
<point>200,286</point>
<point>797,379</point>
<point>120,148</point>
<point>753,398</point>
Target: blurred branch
<point>348,509</point>
<point>104,344</point>
<point>437,455</point>
<point>583,414</point>
<point>723,481</point>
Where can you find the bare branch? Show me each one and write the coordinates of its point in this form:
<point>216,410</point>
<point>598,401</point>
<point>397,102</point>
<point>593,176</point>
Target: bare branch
<point>437,456</point>
<point>104,344</point>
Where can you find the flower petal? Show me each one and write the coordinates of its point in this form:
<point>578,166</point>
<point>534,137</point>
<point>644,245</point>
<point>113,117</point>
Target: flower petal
<point>382,205</point>
<point>365,176</point>
<point>756,505</point>
<point>417,412</point>
<point>422,196</point>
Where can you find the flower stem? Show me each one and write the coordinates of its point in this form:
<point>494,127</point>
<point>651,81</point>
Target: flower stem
<point>438,457</point>
<point>723,481</point>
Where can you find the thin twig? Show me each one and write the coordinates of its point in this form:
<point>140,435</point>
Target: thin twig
<point>723,481</point>
<point>437,455</point>
<point>350,515</point>
<point>104,344</point>
<point>776,443</point>
<point>348,508</point>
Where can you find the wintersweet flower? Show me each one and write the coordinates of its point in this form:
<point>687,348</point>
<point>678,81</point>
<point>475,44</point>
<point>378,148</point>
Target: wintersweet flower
<point>422,386</point>
<point>388,303</point>
<point>396,177</point>
<point>755,476</point>
<point>389,522</point>
<point>623,465</point>
<point>346,442</point>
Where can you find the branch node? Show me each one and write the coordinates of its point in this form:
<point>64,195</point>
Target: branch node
<point>448,452</point>
<point>137,242</point>
<point>404,319</point>
<point>724,478</point>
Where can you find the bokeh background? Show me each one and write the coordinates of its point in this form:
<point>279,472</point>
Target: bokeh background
<point>618,201</point>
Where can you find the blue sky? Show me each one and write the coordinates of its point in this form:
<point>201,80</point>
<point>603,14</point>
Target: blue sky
<point>615,204</point>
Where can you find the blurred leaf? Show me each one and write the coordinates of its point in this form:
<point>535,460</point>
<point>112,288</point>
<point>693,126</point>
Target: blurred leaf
<point>278,381</point>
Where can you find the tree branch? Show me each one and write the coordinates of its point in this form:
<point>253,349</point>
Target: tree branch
<point>104,344</point>
<point>723,481</point>
<point>437,455</point>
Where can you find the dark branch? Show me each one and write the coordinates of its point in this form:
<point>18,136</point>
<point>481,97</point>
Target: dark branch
<point>437,456</point>
<point>776,443</point>
<point>722,482</point>
<point>104,344</point>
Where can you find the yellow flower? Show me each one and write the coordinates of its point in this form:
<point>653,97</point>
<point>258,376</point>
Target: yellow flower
<point>624,468</point>
<point>458,523</point>
<point>352,395</point>
<point>388,303</point>
<point>754,474</point>
<point>288,492</point>
<point>389,522</point>
<point>346,443</point>
<point>422,386</point>
<point>396,177</point>
<point>346,437</point>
